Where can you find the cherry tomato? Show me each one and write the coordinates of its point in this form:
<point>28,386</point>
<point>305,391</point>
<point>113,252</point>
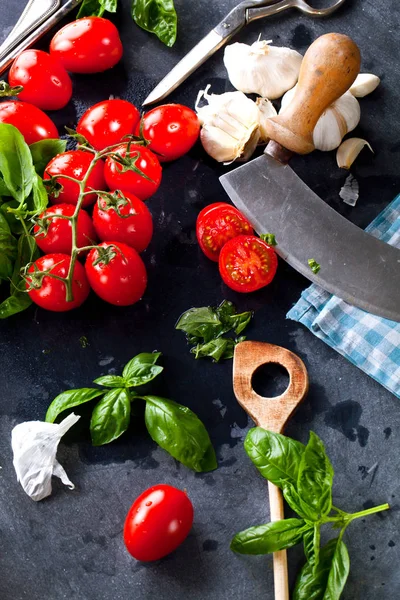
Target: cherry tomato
<point>88,45</point>
<point>172,130</point>
<point>55,234</point>
<point>51,294</point>
<point>123,218</point>
<point>218,223</point>
<point>45,81</point>
<point>247,263</point>
<point>143,176</point>
<point>107,122</point>
<point>116,273</point>
<point>157,523</point>
<point>74,163</point>
<point>33,123</point>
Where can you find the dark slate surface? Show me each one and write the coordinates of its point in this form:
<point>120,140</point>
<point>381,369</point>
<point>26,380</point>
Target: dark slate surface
<point>70,546</point>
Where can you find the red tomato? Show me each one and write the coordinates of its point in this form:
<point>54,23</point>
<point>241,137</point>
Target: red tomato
<point>107,122</point>
<point>55,234</point>
<point>34,124</point>
<point>51,294</point>
<point>74,163</point>
<point>172,130</point>
<point>157,523</point>
<point>123,218</point>
<point>118,276</point>
<point>247,263</point>
<point>88,45</point>
<point>218,223</point>
<point>45,81</point>
<point>139,173</point>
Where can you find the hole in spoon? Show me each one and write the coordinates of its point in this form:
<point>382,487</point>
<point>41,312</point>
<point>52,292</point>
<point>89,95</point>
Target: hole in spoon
<point>270,380</point>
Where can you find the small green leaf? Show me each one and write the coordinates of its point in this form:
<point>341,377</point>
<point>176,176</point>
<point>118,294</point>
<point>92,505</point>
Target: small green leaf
<point>39,196</point>
<point>142,369</point>
<point>202,323</point>
<point>180,432</point>
<point>298,504</point>
<point>111,381</point>
<point>8,249</point>
<point>158,17</point>
<point>314,266</point>
<point>269,238</point>
<point>231,319</point>
<point>315,477</point>
<point>90,8</point>
<point>43,151</point>
<point>4,191</point>
<point>276,456</point>
<point>16,166</point>
<point>327,581</point>
<point>216,349</point>
<point>272,537</point>
<point>109,5</point>
<point>110,417</point>
<point>69,399</point>
<point>311,541</point>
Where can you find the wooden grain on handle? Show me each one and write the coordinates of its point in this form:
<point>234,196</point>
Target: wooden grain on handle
<point>281,586</point>
<point>329,68</point>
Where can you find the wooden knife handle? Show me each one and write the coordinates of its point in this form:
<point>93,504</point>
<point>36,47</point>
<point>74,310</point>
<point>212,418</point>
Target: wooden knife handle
<point>329,68</point>
<point>281,583</point>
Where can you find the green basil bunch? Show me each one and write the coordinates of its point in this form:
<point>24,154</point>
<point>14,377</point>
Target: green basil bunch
<point>305,475</point>
<point>22,197</point>
<point>156,16</point>
<point>206,328</point>
<point>174,427</point>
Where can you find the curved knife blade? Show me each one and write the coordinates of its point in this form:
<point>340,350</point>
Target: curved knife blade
<point>357,267</point>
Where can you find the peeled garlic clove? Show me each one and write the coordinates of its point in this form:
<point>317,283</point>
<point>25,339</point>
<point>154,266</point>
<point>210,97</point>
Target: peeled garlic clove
<point>266,111</point>
<point>364,84</point>
<point>268,71</point>
<point>230,125</point>
<point>34,445</point>
<point>349,150</point>
<point>339,119</point>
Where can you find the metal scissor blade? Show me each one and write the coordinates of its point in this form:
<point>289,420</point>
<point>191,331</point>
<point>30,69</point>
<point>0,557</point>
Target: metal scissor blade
<point>34,14</point>
<point>185,67</point>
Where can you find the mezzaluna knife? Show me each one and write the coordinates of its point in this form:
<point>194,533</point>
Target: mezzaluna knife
<point>355,266</point>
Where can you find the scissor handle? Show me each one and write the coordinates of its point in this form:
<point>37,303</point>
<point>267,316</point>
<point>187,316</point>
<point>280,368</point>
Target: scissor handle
<point>267,8</point>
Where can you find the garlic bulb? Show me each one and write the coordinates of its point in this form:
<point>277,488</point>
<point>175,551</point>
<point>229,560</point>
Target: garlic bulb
<point>267,110</point>
<point>340,118</point>
<point>364,84</point>
<point>349,150</point>
<point>34,445</point>
<point>268,71</point>
<point>230,125</point>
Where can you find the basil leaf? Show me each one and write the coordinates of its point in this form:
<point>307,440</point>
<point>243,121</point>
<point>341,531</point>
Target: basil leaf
<point>110,417</point>
<point>276,456</point>
<point>311,542</point>
<point>8,249</point>
<point>231,320</point>
<point>109,5</point>
<point>142,369</point>
<point>43,151</point>
<point>272,537</point>
<point>202,323</point>
<point>69,399</point>
<point>111,381</point>
<point>158,17</point>
<point>39,199</point>
<point>4,191</point>
<point>315,477</point>
<point>16,164</point>
<point>328,580</point>
<point>180,432</point>
<point>296,503</point>
<point>216,349</point>
<point>15,224</point>
<point>19,300</point>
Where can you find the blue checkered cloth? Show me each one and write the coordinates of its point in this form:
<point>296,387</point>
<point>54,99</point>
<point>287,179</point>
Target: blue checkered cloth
<point>369,342</point>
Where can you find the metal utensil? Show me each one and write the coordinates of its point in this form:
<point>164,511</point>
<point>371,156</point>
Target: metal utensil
<point>355,266</point>
<point>271,414</point>
<point>38,18</point>
<point>243,14</point>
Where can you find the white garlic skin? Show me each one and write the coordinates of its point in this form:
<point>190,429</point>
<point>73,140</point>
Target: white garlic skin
<point>268,71</point>
<point>349,150</point>
<point>266,111</point>
<point>364,84</point>
<point>342,116</point>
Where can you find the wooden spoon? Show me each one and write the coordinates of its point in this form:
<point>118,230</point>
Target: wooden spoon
<point>271,414</point>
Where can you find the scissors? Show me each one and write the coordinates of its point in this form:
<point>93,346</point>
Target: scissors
<point>243,14</point>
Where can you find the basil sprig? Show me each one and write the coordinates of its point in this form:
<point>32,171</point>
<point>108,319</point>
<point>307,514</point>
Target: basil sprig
<point>305,475</point>
<point>174,427</point>
<point>206,327</point>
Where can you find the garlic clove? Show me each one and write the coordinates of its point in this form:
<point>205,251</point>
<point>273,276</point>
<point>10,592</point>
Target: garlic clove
<point>266,111</point>
<point>364,84</point>
<point>339,119</point>
<point>268,71</point>
<point>349,150</point>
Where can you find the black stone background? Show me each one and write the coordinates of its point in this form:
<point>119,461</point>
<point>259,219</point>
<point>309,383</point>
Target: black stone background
<point>70,546</point>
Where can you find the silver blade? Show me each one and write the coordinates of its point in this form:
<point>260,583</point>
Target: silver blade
<point>185,67</point>
<point>355,266</point>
